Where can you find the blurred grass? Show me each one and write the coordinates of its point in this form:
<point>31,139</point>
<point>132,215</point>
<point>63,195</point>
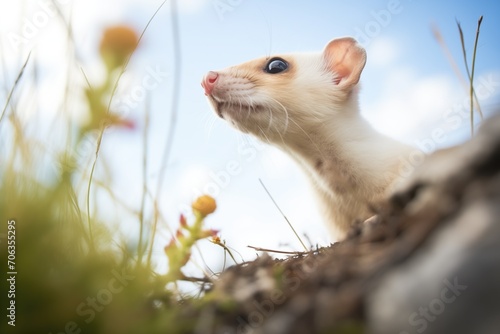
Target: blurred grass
<point>74,275</point>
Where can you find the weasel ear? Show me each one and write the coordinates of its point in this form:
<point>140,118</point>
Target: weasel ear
<point>346,58</point>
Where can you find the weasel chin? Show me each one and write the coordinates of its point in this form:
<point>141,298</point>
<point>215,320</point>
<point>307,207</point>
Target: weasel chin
<point>216,106</point>
<point>218,109</point>
<point>237,112</point>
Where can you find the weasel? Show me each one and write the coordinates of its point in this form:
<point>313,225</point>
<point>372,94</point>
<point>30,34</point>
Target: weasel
<point>306,104</point>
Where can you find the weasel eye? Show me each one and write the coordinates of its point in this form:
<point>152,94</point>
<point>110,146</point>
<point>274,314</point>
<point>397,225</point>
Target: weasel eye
<point>276,65</point>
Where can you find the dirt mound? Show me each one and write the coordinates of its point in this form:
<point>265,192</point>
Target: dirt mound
<point>430,262</point>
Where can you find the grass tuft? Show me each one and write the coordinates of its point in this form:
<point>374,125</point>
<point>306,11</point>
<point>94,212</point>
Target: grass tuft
<point>470,73</point>
<point>470,70</point>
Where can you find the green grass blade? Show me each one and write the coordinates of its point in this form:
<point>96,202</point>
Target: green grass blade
<point>289,224</point>
<point>19,76</point>
<point>472,90</point>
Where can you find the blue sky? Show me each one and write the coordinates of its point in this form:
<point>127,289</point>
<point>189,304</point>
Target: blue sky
<point>408,90</point>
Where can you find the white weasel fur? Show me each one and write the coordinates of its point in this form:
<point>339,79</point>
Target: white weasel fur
<point>311,112</point>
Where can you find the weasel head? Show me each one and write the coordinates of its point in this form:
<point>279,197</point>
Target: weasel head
<point>277,98</point>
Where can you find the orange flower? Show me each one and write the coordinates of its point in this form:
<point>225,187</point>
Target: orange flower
<point>205,205</point>
<point>216,240</point>
<point>117,44</point>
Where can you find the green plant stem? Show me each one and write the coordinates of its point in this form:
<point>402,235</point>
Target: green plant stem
<point>173,118</point>
<point>89,185</point>
<point>229,252</point>
<point>464,55</point>
<point>145,184</point>
<point>471,92</point>
<point>21,72</point>
<point>470,73</point>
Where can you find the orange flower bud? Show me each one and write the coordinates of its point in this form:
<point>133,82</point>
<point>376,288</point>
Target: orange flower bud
<point>117,44</point>
<point>205,205</point>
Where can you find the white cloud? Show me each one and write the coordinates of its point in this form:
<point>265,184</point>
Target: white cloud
<point>407,103</point>
<point>383,52</point>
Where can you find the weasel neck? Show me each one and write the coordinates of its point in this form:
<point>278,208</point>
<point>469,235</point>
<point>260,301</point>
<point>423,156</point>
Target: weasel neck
<point>345,156</point>
<point>350,165</point>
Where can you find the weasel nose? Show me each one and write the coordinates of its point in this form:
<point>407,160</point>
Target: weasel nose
<point>209,81</point>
